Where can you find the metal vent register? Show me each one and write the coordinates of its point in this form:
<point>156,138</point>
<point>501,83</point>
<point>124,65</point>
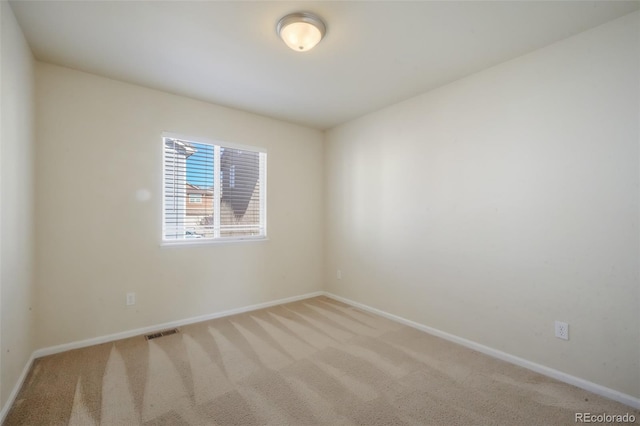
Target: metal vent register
<point>161,333</point>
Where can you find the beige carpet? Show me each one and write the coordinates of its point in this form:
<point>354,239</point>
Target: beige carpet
<point>316,361</point>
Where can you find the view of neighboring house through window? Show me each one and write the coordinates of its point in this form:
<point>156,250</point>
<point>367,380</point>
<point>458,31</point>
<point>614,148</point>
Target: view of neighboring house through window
<point>213,191</point>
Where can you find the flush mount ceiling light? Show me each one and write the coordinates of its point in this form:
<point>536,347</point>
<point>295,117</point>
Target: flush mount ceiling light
<point>301,31</point>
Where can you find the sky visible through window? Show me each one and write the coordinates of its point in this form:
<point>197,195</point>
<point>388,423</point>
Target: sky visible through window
<point>195,162</point>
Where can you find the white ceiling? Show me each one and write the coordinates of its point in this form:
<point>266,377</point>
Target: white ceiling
<point>374,53</point>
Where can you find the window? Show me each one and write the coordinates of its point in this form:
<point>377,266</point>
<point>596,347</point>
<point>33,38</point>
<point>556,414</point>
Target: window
<point>195,198</point>
<point>213,192</point>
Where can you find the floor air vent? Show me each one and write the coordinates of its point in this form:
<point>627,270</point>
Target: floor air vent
<point>161,333</point>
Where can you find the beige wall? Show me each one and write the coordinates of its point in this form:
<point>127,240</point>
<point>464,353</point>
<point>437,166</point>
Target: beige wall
<point>497,204</point>
<point>16,203</point>
<point>99,142</point>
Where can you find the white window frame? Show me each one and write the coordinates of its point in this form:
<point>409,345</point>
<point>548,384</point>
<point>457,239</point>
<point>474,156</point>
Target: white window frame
<point>217,239</point>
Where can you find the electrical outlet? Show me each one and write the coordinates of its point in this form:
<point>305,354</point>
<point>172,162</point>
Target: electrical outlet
<point>131,299</point>
<point>339,274</point>
<point>562,330</point>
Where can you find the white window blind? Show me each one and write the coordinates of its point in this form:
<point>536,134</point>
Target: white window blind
<point>212,192</point>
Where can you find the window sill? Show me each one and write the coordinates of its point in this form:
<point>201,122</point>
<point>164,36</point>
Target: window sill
<point>207,242</point>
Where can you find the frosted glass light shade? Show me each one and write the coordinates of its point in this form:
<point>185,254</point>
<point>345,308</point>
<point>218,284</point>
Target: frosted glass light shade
<point>301,31</point>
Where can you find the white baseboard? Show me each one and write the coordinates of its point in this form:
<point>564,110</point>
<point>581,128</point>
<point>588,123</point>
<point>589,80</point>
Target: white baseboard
<point>16,389</point>
<point>153,328</point>
<point>136,332</point>
<point>538,368</point>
